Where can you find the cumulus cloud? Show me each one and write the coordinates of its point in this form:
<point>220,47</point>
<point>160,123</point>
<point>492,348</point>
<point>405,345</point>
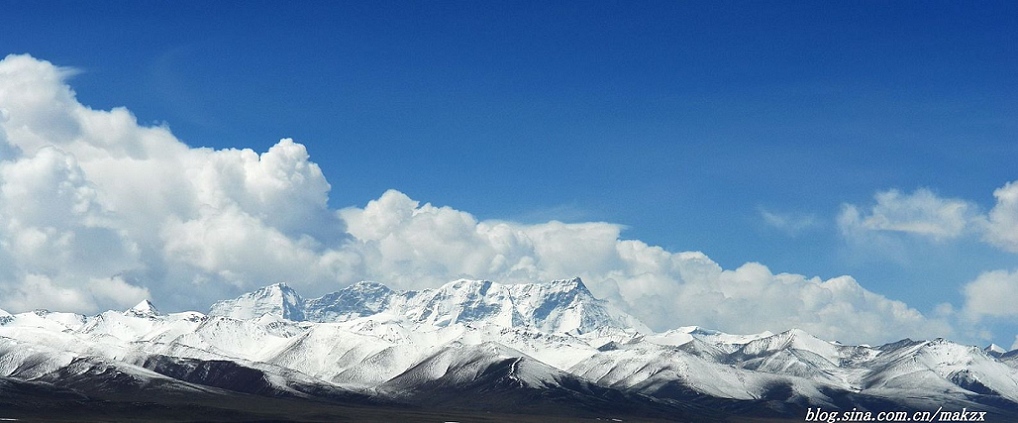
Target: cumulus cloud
<point>923,213</point>
<point>98,211</point>
<point>402,241</point>
<point>920,213</point>
<point>40,292</point>
<point>1002,222</point>
<point>992,294</point>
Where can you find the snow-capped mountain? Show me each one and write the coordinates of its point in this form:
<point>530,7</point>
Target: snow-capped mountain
<point>491,345</point>
<point>555,307</point>
<point>995,350</point>
<point>278,299</point>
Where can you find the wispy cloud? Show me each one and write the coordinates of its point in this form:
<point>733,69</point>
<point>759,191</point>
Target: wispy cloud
<point>559,212</point>
<point>791,224</point>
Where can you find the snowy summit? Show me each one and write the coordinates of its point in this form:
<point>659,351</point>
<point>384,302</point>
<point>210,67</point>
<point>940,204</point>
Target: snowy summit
<point>143,309</point>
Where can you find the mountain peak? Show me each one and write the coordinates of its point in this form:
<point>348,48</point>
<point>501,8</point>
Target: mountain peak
<point>479,285</point>
<point>144,309</point>
<point>364,298</point>
<point>368,285</point>
<point>994,350</point>
<point>276,287</point>
<point>463,301</point>
<point>697,330</point>
<point>566,305</point>
<point>276,299</point>
<point>562,305</point>
<point>798,333</point>
<point>566,285</point>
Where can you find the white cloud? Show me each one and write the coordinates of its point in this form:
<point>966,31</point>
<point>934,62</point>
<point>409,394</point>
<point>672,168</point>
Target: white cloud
<point>1014,346</point>
<point>992,294</point>
<point>117,290</point>
<point>98,211</point>
<point>89,195</point>
<point>924,214</point>
<point>1002,222</point>
<point>40,292</point>
<point>402,241</point>
<point>921,213</point>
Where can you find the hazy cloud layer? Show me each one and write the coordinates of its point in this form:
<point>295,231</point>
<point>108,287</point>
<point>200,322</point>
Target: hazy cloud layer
<point>97,211</point>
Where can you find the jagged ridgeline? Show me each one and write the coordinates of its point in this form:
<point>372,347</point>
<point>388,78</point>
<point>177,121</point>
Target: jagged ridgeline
<point>556,307</point>
<point>471,347</point>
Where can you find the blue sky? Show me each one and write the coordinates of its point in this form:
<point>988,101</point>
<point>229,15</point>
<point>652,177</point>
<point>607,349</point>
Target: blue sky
<point>739,129</point>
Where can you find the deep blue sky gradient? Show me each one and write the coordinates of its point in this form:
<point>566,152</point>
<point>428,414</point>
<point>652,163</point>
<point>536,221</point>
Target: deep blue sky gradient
<point>681,120</point>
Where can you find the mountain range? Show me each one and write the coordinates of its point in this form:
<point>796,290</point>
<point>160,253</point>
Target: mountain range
<point>473,350</point>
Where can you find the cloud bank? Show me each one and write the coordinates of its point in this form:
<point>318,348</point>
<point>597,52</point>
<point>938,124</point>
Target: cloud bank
<point>97,211</point>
